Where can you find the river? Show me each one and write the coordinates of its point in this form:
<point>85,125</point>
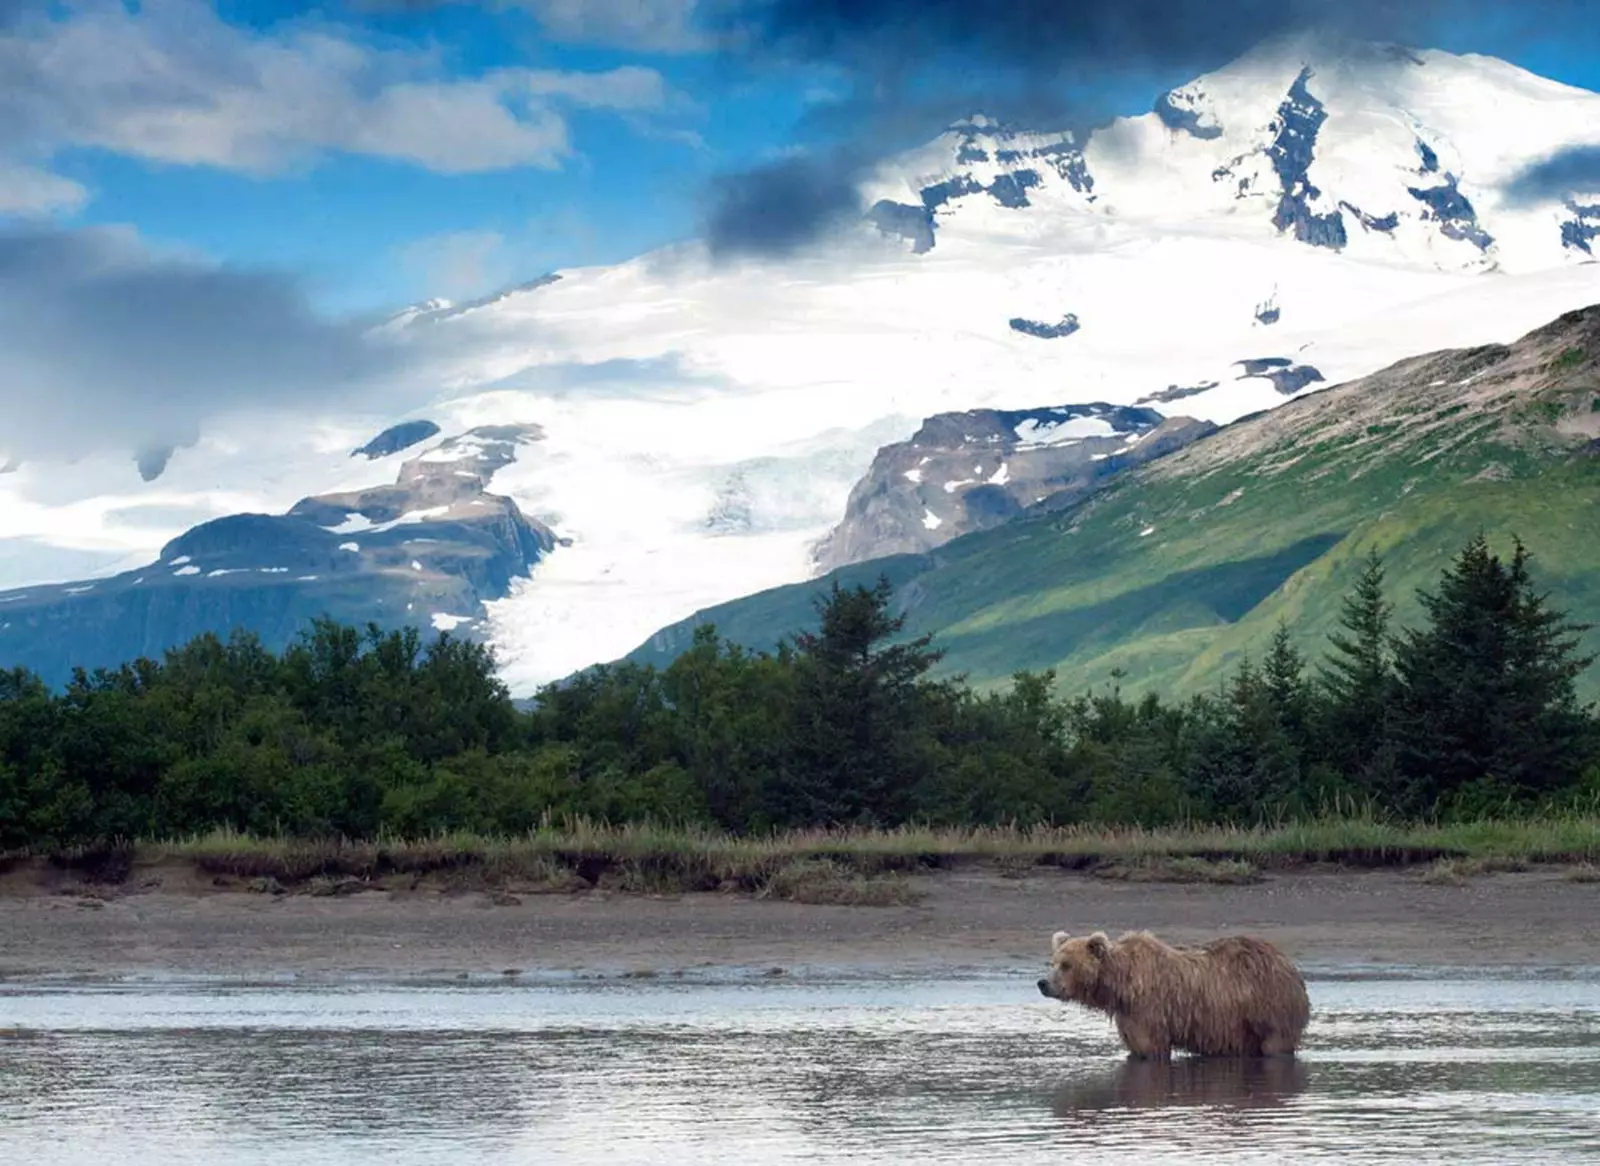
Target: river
<point>815,1069</point>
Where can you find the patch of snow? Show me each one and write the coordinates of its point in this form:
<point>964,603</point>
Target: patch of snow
<point>179,561</point>
<point>1147,532</point>
<point>78,590</point>
<point>1033,434</point>
<point>274,570</point>
<point>225,571</point>
<point>448,623</point>
<point>952,487</point>
<point>305,578</point>
<point>187,571</point>
<point>416,566</point>
<point>354,523</point>
<point>349,546</point>
<point>930,520</point>
<point>914,476</point>
<point>1001,476</point>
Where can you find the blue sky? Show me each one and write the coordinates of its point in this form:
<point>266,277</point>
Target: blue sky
<point>385,150</point>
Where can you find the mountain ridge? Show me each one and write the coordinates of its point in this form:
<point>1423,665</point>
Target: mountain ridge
<point>429,549</point>
<point>1169,575</point>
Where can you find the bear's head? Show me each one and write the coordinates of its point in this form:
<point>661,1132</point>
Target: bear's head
<point>1076,966</point>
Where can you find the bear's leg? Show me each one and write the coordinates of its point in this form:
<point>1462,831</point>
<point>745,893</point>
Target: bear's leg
<point>1277,1044</point>
<point>1143,1039</point>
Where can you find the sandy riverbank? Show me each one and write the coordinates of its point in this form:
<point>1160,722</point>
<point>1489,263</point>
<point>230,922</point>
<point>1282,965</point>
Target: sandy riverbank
<point>180,924</point>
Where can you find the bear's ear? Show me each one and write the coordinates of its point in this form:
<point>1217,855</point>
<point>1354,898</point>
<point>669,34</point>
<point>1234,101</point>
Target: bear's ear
<point>1058,939</point>
<point>1099,944</point>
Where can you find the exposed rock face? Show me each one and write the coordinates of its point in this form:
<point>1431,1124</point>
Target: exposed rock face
<point>1066,326</point>
<point>1300,117</point>
<point>1579,232</point>
<point>963,472</point>
<point>1286,376</point>
<point>426,551</point>
<point>396,438</point>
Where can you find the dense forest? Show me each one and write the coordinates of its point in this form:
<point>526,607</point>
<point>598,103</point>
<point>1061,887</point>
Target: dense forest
<point>363,734</point>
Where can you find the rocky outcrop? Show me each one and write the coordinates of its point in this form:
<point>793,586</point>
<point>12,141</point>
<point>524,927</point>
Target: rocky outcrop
<point>396,438</point>
<point>1300,118</point>
<point>1286,376</point>
<point>427,550</point>
<point>1066,326</point>
<point>963,472</point>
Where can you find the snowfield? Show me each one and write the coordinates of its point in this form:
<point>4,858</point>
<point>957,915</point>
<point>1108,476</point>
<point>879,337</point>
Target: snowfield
<point>703,423</point>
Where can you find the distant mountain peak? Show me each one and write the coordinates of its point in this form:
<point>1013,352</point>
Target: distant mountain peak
<point>1397,153</point>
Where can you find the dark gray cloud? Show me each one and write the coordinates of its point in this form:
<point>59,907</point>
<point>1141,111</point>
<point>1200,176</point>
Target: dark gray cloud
<point>782,206</point>
<point>1564,175</point>
<point>912,66</point>
<point>109,346</point>
<point>1068,35</point>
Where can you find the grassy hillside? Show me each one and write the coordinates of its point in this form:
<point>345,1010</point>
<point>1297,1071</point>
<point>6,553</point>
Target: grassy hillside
<point>1175,571</point>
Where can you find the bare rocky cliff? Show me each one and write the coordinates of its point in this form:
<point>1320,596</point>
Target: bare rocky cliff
<point>963,472</point>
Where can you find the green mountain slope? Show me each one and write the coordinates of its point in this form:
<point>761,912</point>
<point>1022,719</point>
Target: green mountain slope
<point>1176,570</point>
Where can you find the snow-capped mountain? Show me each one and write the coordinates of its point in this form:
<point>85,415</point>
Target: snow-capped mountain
<point>1299,218</point>
<point>1377,152</point>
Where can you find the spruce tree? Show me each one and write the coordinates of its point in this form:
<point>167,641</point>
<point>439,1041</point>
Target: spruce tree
<point>1488,705</point>
<point>859,723</point>
<point>1283,676</point>
<point>1358,683</point>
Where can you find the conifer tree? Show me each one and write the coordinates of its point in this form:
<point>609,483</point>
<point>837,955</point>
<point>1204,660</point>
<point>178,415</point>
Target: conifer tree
<point>1358,684</point>
<point>1488,706</point>
<point>858,724</point>
<point>1283,676</point>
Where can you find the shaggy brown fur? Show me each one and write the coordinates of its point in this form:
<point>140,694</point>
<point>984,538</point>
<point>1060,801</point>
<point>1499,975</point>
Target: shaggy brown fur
<point>1233,997</point>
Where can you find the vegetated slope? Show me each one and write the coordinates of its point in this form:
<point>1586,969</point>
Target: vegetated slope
<point>1170,575</point>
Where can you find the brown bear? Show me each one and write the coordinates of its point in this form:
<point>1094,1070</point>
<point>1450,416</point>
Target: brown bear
<point>1233,997</point>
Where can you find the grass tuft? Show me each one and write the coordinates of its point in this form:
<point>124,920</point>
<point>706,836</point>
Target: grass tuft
<point>1222,872</point>
<point>823,881</point>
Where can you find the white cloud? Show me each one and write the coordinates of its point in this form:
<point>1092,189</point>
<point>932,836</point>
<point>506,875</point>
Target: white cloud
<point>651,25</point>
<point>171,82</point>
<point>459,264</point>
<point>28,191</point>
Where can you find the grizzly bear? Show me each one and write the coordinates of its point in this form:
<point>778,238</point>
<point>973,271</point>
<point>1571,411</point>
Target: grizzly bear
<point>1233,997</point>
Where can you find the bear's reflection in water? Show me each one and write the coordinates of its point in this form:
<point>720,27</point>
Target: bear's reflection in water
<point>1228,1082</point>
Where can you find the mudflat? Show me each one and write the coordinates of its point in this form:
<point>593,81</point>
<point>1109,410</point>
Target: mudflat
<point>175,922</point>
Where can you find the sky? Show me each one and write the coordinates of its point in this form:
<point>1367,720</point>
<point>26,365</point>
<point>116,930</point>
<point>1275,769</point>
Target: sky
<point>378,152</point>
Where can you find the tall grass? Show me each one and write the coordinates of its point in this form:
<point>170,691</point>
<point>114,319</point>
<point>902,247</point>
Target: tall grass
<point>647,857</point>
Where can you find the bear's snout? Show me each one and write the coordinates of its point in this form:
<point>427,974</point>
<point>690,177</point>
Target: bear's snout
<point>1044,987</point>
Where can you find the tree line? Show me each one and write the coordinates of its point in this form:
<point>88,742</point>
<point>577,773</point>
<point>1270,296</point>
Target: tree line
<point>364,733</point>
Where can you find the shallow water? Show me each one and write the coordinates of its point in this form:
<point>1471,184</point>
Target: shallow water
<point>824,1070</point>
